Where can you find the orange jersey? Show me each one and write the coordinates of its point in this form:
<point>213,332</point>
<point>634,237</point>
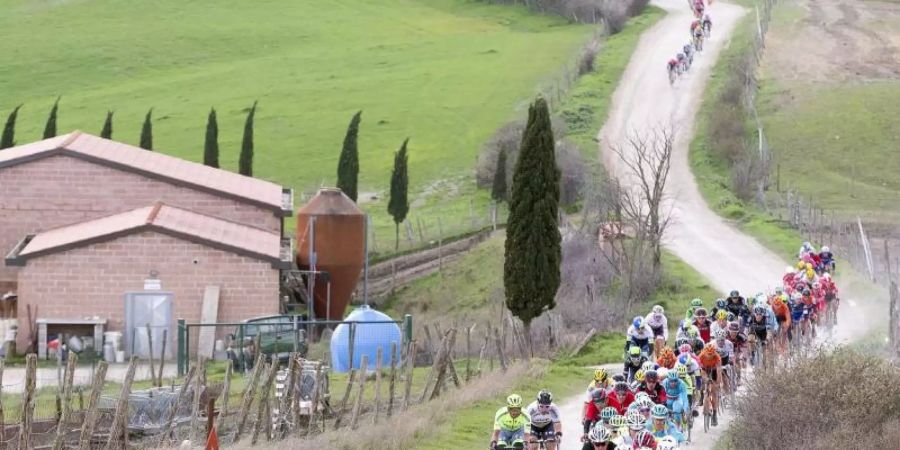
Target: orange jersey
<point>709,360</point>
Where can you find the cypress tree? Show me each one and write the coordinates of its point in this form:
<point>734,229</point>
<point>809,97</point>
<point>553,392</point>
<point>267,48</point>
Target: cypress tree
<point>106,132</point>
<point>50,128</point>
<point>498,190</point>
<point>245,164</point>
<point>147,132</point>
<point>531,270</point>
<point>348,165</point>
<point>8,139</point>
<point>211,148</point>
<point>398,206</point>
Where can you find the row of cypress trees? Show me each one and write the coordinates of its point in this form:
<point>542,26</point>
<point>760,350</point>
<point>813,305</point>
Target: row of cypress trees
<point>210,150</point>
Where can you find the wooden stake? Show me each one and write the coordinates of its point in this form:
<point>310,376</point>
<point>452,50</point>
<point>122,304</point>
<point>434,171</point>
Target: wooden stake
<point>500,350</point>
<point>162,358</point>
<point>317,391</point>
<point>410,363</point>
<point>357,407</point>
<point>173,409</point>
<point>226,392</point>
<point>25,442</point>
<point>66,403</point>
<point>199,381</point>
<point>264,399</point>
<point>117,430</point>
<point>481,353</point>
<point>469,352</point>
<point>150,349</point>
<point>247,402</point>
<point>345,398</point>
<point>93,413</point>
<point>379,355</point>
<point>393,380</point>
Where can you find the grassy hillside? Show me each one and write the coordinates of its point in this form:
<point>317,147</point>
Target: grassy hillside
<point>446,73</point>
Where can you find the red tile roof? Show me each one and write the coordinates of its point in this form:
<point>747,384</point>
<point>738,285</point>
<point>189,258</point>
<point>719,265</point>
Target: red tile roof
<point>177,222</point>
<point>157,165</point>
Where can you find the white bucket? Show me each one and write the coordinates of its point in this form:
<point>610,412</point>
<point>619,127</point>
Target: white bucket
<point>109,354</point>
<point>114,337</point>
<point>120,356</point>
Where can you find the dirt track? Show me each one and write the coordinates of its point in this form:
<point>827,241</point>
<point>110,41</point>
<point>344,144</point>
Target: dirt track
<point>643,102</point>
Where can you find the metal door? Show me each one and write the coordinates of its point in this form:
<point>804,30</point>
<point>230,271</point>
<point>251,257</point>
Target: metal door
<point>143,309</point>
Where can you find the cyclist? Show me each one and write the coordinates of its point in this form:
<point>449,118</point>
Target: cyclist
<point>676,395</point>
<point>619,430</point>
<point>545,422</point>
<point>827,259</point>
<point>698,39</point>
<point>659,324</point>
<point>688,381</point>
<point>782,314</point>
<point>701,321</point>
<point>721,322</point>
<point>759,327</point>
<point>667,358</point>
<point>600,439</point>
<point>711,365</point>
<point>682,64</point>
<point>689,53</point>
<point>726,351</point>
<point>660,425</point>
<point>707,24</point>
<point>698,8</point>
<point>511,425</point>
<point>633,363</point>
<point>737,305</point>
<point>639,334</point>
<point>600,381</point>
<point>719,306</point>
<point>809,308</point>
<point>695,303</point>
<point>672,68</point>
<point>593,410</point>
<point>831,294</point>
<point>738,340</point>
<point>621,397</point>
<point>635,423</point>
<point>652,387</point>
<point>695,24</point>
<point>790,275</point>
<point>643,439</point>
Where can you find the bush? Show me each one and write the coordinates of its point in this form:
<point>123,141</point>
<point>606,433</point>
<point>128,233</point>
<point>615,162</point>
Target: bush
<point>828,401</point>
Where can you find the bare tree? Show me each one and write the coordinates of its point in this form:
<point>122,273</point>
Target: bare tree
<point>647,160</point>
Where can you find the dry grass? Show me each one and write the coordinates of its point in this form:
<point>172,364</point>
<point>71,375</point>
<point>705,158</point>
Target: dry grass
<point>405,429</point>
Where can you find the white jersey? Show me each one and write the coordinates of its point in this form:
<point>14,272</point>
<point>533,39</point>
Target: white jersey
<point>658,325</point>
<point>725,348</point>
<point>542,418</point>
<point>716,327</point>
<point>643,333</point>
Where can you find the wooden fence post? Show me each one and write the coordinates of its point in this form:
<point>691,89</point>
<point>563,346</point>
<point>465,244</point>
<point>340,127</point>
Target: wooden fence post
<point>93,413</point>
<point>247,402</point>
<point>199,381</point>
<point>120,418</point>
<point>379,355</point>
<point>345,398</point>
<point>264,409</point>
<point>226,392</point>
<point>315,400</point>
<point>410,364</point>
<point>500,350</point>
<point>25,442</point>
<point>393,380</point>
<point>66,403</point>
<point>357,407</point>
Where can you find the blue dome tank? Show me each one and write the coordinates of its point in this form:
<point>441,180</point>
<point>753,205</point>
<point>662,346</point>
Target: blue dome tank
<point>368,337</point>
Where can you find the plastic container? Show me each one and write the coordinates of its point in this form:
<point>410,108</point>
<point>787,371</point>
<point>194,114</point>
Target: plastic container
<point>366,340</point>
<point>114,337</point>
<point>109,353</point>
<point>120,356</point>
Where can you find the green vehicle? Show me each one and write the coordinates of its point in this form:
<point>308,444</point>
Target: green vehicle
<point>275,336</point>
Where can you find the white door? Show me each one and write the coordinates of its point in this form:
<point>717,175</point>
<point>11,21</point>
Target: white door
<point>143,309</point>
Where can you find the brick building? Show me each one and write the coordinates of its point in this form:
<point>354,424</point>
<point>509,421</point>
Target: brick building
<point>84,221</point>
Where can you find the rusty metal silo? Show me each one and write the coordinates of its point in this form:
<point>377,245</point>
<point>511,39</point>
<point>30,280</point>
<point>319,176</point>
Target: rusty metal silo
<point>338,237</point>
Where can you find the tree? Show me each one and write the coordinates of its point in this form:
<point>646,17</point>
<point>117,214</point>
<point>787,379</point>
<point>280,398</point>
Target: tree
<point>498,189</point>
<point>245,164</point>
<point>533,254</point>
<point>398,206</point>
<point>8,139</point>
<point>348,165</point>
<point>211,148</point>
<point>106,132</point>
<point>50,128</point>
<point>147,131</point>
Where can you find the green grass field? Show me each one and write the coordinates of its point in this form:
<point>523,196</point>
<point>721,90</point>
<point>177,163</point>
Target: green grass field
<point>446,73</point>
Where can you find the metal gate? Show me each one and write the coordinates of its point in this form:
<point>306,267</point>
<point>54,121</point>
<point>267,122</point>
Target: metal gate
<point>153,309</point>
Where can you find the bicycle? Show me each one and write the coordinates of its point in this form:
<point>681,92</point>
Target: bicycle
<point>710,396</point>
<point>542,443</point>
<point>659,344</point>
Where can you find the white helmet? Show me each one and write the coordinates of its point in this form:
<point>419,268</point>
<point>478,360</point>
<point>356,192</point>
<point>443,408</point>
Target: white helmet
<point>599,434</point>
<point>648,365</point>
<point>826,275</point>
<point>788,270</point>
<point>667,443</point>
<point>657,309</point>
<point>635,421</point>
<point>825,249</point>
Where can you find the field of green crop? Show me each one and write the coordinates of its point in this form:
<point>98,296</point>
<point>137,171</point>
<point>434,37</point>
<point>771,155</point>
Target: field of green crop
<point>445,73</point>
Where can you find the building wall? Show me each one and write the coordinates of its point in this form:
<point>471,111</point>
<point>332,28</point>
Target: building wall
<point>61,190</point>
<point>92,281</point>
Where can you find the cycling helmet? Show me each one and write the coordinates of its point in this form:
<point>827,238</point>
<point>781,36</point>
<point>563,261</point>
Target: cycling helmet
<point>644,404</point>
<point>759,310</point>
<point>635,421</point>
<point>634,351</point>
<point>693,331</point>
<point>696,303</point>
<point>720,334</point>
<point>667,443</point>
<point>721,315</point>
<point>795,296</point>
<point>651,375</point>
<point>659,412</point>
<point>734,293</point>
<point>600,375</point>
<point>825,249</point>
<point>621,386</point>
<point>544,397</point>
<point>700,312</point>
<point>779,289</point>
<point>807,293</point>
<point>734,327</point>
<point>597,395</point>
<point>683,359</point>
<point>638,322</point>
<point>729,317</point>
<point>645,439</point>
<point>639,375</point>
<point>641,396</point>
<point>618,377</point>
<point>657,309</point>
<point>684,349</point>
<point>608,413</point>
<point>681,370</point>
<point>672,375</point>
<point>721,303</point>
<point>599,434</point>
<point>617,421</point>
<point>809,266</point>
<point>826,276</point>
<point>648,365</point>
<point>514,401</point>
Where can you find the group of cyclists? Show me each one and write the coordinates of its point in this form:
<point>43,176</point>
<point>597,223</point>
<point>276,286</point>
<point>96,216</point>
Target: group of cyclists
<point>701,28</point>
<point>652,403</point>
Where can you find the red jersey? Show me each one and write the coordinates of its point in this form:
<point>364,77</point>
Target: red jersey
<point>657,394</point>
<point>592,413</point>
<point>704,329</point>
<point>621,406</point>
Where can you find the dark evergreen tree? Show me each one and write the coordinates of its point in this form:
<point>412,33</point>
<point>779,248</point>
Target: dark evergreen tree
<point>106,132</point>
<point>348,165</point>
<point>147,131</point>
<point>8,138</point>
<point>531,270</point>
<point>398,206</point>
<point>211,147</point>
<point>245,164</point>
<point>498,189</point>
<point>50,128</point>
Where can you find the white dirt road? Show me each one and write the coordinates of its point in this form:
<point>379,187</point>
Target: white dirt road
<point>644,102</point>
